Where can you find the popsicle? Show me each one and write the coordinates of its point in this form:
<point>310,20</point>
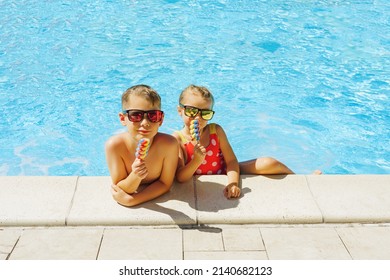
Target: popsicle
<point>142,148</point>
<point>194,130</point>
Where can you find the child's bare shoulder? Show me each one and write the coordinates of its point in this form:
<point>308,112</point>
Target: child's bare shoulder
<point>115,141</point>
<point>220,131</point>
<point>165,139</point>
<point>167,144</point>
<point>176,135</point>
<point>218,127</point>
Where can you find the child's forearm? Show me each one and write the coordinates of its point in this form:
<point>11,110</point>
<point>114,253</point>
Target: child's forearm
<point>233,172</point>
<point>130,184</point>
<point>185,173</point>
<point>152,191</point>
<point>233,178</point>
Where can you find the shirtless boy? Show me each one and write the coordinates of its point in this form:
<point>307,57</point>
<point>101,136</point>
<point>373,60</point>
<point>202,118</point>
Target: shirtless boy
<point>142,116</point>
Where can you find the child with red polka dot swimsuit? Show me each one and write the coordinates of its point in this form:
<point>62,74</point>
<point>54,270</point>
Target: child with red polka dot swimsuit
<point>212,154</point>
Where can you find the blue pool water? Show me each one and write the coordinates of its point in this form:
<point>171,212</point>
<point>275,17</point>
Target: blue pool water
<point>304,81</point>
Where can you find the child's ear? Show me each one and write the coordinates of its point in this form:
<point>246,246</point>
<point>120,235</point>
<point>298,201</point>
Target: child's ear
<point>179,110</point>
<point>122,118</point>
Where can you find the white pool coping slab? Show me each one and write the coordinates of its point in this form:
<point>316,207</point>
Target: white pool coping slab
<point>94,205</point>
<point>35,200</point>
<point>292,199</point>
<point>354,198</point>
<point>265,199</point>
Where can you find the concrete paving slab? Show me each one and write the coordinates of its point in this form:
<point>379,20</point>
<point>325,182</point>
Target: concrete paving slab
<point>94,205</point>
<point>265,199</point>
<point>36,200</point>
<point>8,239</point>
<point>202,239</point>
<point>58,244</point>
<point>242,239</point>
<point>206,242</point>
<point>367,243</point>
<point>226,255</point>
<point>141,244</point>
<point>352,198</point>
<point>303,244</point>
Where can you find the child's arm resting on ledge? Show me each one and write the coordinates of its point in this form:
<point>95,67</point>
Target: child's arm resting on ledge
<point>156,188</point>
<point>128,182</point>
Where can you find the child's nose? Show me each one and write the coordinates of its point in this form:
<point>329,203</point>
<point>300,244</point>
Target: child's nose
<point>198,117</point>
<point>145,121</point>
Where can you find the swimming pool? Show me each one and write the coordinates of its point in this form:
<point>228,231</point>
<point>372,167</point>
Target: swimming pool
<point>304,81</point>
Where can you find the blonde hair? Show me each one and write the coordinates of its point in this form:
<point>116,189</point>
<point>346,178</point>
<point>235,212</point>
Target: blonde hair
<point>144,91</point>
<point>197,90</point>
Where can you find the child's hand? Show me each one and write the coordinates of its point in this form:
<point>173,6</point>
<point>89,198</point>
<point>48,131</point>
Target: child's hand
<point>139,168</point>
<point>232,191</point>
<point>199,152</point>
<point>121,196</point>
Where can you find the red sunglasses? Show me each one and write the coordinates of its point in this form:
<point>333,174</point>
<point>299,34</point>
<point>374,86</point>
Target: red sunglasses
<point>138,115</point>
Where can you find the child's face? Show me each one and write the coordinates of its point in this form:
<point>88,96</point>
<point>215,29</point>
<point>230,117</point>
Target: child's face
<point>144,128</point>
<point>196,101</point>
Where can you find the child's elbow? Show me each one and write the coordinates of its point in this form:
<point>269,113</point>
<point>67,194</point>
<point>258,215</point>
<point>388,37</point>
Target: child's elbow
<point>182,179</point>
<point>179,180</point>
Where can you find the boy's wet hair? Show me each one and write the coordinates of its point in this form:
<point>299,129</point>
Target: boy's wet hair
<point>197,90</point>
<point>144,91</point>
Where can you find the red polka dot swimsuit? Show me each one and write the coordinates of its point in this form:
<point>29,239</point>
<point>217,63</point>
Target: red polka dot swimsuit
<point>214,162</point>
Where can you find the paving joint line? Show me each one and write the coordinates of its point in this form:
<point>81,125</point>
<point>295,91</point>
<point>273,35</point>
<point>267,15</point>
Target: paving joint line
<point>315,201</point>
<point>72,201</point>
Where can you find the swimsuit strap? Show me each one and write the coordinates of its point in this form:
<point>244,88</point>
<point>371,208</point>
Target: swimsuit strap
<point>213,129</point>
<point>183,139</point>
